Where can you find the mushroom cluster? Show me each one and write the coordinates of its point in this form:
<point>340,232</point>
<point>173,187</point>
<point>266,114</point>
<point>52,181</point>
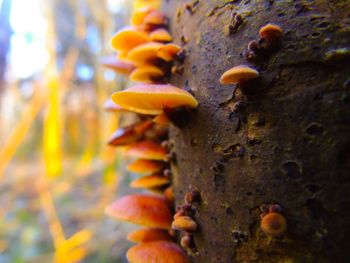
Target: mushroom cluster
<point>145,55</point>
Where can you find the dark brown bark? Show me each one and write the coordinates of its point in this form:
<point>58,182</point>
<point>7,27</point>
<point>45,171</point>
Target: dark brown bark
<point>289,143</point>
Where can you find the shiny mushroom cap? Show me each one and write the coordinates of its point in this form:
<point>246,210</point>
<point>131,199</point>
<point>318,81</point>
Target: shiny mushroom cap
<point>271,32</point>
<point>118,65</point>
<point>184,223</point>
<point>139,15</point>
<point>141,209</point>
<point>157,252</point>
<point>127,39</point>
<point>145,166</point>
<point>148,150</point>
<point>150,181</point>
<point>168,52</point>
<point>160,35</point>
<point>144,54</point>
<point>238,74</point>
<point>146,74</point>
<point>148,235</point>
<point>152,98</point>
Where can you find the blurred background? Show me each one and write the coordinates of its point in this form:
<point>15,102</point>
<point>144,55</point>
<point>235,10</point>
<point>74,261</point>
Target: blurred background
<point>56,172</point>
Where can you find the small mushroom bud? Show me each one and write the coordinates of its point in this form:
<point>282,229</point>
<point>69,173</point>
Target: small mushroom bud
<point>275,208</point>
<point>253,46</point>
<point>273,224</point>
<point>184,223</point>
<point>192,196</point>
<point>187,241</point>
<point>271,32</point>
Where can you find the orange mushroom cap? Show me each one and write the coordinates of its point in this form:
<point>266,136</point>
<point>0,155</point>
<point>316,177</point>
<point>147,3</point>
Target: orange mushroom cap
<point>139,15</point>
<point>169,195</point>
<point>168,52</point>
<point>146,74</point>
<point>157,252</point>
<point>273,224</point>
<point>117,65</point>
<point>148,235</point>
<point>155,17</point>
<point>271,32</point>
<point>111,106</point>
<point>148,150</point>
<point>237,74</point>
<point>161,119</point>
<point>130,134</point>
<point>150,181</point>
<point>184,223</point>
<point>141,209</point>
<point>160,35</point>
<point>127,39</point>
<point>152,98</point>
<point>145,166</point>
<point>144,53</point>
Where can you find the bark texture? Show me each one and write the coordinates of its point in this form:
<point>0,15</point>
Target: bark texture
<point>289,143</point>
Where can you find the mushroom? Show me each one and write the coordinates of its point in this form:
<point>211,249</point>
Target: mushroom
<point>141,209</point>
<point>148,150</point>
<point>144,53</point>
<point>157,251</point>
<point>138,17</point>
<point>161,119</point>
<point>145,166</point>
<point>153,181</point>
<point>273,224</point>
<point>117,65</point>
<point>127,39</point>
<point>169,196</point>
<point>130,134</point>
<point>152,98</point>
<point>184,223</point>
<point>155,17</point>
<point>238,74</point>
<point>146,74</point>
<point>168,52</point>
<point>271,32</point>
<point>160,35</point>
<point>148,235</point>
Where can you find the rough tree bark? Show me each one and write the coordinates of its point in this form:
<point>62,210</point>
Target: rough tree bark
<point>289,144</point>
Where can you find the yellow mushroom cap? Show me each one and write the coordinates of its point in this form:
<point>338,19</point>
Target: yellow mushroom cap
<point>152,98</point>
<point>148,150</point>
<point>168,52</point>
<point>145,53</point>
<point>117,65</point>
<point>160,35</point>
<point>139,15</point>
<point>148,235</point>
<point>127,39</point>
<point>155,17</point>
<point>270,32</point>
<point>145,166</point>
<point>237,74</point>
<point>157,252</point>
<point>146,74</point>
<point>150,181</point>
<point>273,224</point>
<point>184,223</point>
<point>141,209</point>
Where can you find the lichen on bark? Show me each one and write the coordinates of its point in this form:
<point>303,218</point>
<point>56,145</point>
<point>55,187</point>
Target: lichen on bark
<point>288,143</point>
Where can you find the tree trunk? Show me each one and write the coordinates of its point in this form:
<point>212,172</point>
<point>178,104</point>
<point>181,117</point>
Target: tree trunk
<point>286,140</point>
